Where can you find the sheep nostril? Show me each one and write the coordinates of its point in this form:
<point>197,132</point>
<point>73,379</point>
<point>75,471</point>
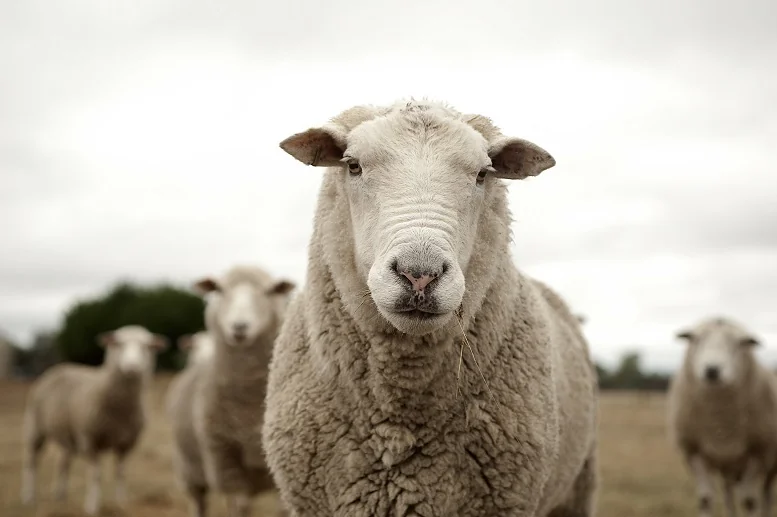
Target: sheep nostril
<point>712,373</point>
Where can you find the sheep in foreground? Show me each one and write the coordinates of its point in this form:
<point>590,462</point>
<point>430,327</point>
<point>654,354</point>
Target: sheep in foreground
<point>244,316</point>
<point>419,373</point>
<point>90,411</point>
<point>187,460</point>
<point>723,417</point>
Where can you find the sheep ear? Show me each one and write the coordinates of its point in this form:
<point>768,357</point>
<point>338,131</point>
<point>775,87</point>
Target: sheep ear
<point>320,146</point>
<point>516,159</point>
<point>283,287</point>
<point>685,335</point>
<point>185,342</point>
<point>581,319</point>
<point>106,339</point>
<point>206,285</point>
<point>159,342</point>
<point>750,341</point>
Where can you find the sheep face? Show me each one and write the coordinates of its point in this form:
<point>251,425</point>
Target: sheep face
<point>416,178</point>
<point>242,309</point>
<point>719,351</point>
<point>131,349</point>
<point>199,347</point>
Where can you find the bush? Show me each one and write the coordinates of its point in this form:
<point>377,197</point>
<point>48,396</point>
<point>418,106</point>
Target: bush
<point>163,309</point>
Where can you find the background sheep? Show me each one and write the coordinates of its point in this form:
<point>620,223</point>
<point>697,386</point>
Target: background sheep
<point>199,347</point>
<point>89,411</point>
<point>419,373</point>
<point>187,458</point>
<point>723,416</point>
<point>243,315</point>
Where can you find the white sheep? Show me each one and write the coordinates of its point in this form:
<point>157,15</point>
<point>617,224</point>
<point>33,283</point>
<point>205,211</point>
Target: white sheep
<point>199,347</point>
<point>419,373</point>
<point>91,410</point>
<point>187,459</point>
<point>723,416</point>
<point>243,315</point>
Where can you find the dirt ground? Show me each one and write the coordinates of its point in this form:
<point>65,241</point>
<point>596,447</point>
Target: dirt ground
<point>641,475</point>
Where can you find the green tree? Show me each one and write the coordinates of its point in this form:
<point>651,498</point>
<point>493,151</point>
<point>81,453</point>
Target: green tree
<point>40,355</point>
<point>163,309</point>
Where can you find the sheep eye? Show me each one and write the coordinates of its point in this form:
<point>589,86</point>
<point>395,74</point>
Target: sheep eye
<point>482,174</point>
<point>354,168</point>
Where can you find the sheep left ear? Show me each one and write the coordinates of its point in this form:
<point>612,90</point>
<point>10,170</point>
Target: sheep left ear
<point>206,285</point>
<point>283,287</point>
<point>159,342</point>
<point>750,341</point>
<point>685,335</point>
<point>516,159</point>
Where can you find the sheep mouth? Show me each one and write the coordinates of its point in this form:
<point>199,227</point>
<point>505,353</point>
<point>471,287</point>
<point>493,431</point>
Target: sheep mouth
<point>418,314</point>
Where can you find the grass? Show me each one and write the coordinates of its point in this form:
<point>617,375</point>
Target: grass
<point>642,476</point>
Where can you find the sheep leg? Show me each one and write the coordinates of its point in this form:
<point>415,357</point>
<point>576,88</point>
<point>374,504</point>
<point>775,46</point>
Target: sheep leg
<point>94,490</point>
<point>63,473</point>
<point>728,494</point>
<point>197,500</point>
<point>749,490</point>
<point>120,481</point>
<point>34,442</point>
<point>768,497</point>
<point>239,505</point>
<point>704,487</point>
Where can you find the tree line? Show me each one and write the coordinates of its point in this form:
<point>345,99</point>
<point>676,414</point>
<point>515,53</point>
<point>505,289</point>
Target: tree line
<point>172,311</point>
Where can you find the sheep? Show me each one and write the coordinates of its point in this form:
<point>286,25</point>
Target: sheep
<point>187,460</point>
<point>723,416</point>
<point>419,372</point>
<point>243,315</point>
<point>198,346</point>
<point>90,411</point>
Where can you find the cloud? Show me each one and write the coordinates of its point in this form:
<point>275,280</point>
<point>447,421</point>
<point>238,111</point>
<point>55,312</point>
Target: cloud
<point>141,141</point>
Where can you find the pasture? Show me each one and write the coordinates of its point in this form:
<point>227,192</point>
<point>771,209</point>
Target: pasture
<point>641,475</point>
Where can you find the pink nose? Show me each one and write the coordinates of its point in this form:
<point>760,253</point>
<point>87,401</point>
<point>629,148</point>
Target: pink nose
<point>419,282</point>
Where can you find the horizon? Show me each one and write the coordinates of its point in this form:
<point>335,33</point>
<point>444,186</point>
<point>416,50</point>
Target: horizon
<point>142,140</point>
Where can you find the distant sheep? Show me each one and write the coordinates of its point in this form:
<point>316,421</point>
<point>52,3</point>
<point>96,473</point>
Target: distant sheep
<point>89,411</point>
<point>723,416</point>
<point>419,373</point>
<point>180,408</point>
<point>199,347</point>
<point>243,315</point>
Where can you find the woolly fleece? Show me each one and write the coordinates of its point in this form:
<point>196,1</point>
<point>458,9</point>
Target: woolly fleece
<point>364,421</point>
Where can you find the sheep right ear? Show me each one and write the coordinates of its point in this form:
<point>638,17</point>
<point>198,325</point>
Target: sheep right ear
<point>185,342</point>
<point>206,285</point>
<point>106,339</point>
<point>319,146</point>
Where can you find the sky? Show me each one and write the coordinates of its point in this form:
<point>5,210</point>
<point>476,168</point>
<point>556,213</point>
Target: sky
<point>139,140</point>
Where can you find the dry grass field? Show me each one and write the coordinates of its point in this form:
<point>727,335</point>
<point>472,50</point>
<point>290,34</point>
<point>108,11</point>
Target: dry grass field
<point>641,475</point>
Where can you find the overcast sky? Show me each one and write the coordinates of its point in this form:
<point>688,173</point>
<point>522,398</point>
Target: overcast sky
<point>142,142</point>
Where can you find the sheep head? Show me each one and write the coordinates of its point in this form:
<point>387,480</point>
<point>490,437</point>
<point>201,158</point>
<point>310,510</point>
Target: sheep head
<point>132,348</point>
<point>417,177</point>
<point>719,351</point>
<point>246,303</point>
<point>199,346</point>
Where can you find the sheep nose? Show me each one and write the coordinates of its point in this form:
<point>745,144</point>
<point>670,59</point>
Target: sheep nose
<point>712,373</point>
<point>420,278</point>
<point>239,328</point>
<point>419,281</point>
